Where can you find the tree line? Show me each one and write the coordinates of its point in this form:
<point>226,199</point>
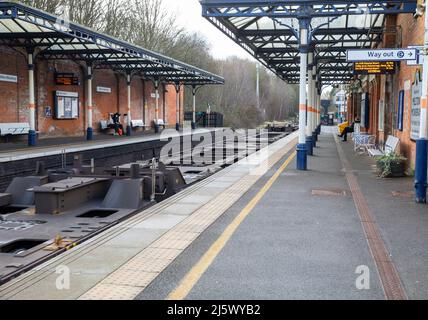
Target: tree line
<point>147,23</point>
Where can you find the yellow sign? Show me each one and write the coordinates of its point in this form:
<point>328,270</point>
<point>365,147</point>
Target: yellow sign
<point>374,67</point>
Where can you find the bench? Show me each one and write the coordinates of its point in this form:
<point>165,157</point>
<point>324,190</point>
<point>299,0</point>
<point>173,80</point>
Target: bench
<point>137,124</point>
<point>160,123</point>
<point>14,129</point>
<point>364,142</point>
<point>391,146</point>
<point>104,125</point>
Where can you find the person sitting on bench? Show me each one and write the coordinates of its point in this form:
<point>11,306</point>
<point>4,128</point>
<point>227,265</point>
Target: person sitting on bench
<point>348,130</point>
<point>118,127</point>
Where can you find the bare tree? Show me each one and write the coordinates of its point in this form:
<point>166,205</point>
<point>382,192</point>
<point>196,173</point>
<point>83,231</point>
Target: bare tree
<point>154,27</point>
<point>148,24</point>
<point>51,6</point>
<point>86,12</point>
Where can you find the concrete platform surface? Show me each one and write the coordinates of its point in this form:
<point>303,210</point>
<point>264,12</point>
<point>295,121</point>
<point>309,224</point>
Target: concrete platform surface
<point>144,245</point>
<point>49,147</point>
<point>260,229</point>
<point>305,240</point>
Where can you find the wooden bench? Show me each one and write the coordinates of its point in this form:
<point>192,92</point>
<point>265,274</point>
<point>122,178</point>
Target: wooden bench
<point>391,146</point>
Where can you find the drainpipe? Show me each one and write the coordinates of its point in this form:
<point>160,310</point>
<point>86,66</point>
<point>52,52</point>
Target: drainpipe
<point>90,130</point>
<point>421,166</point>
<point>177,105</point>
<point>194,108</point>
<point>314,106</point>
<point>302,149</point>
<point>310,114</point>
<point>129,122</point>
<point>157,107</point>
<point>32,136</point>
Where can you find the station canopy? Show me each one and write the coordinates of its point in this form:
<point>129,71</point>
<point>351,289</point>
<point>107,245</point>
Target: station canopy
<point>52,38</point>
<point>269,31</point>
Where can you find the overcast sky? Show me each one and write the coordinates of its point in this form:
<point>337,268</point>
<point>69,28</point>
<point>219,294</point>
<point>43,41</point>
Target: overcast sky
<point>189,14</point>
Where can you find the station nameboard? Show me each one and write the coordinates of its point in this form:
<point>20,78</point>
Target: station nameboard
<point>66,79</point>
<point>374,67</point>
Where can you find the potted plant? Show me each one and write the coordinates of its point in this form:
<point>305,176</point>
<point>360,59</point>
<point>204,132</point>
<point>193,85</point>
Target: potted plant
<point>391,165</point>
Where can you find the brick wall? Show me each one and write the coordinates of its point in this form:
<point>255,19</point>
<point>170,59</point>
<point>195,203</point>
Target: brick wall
<point>14,96</point>
<point>402,31</point>
<point>412,34</point>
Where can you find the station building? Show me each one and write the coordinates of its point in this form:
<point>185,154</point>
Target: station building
<point>389,104</point>
<point>109,96</point>
<point>60,79</point>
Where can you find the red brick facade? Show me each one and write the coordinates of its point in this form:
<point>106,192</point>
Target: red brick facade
<point>401,31</point>
<point>14,96</point>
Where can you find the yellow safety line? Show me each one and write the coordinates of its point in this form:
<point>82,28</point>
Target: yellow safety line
<point>194,275</point>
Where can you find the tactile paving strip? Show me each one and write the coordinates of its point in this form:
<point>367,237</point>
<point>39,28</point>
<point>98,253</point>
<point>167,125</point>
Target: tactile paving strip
<point>38,274</point>
<point>132,278</point>
<point>391,282</point>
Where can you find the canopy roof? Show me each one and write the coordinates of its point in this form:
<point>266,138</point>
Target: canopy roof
<point>52,38</point>
<point>268,30</point>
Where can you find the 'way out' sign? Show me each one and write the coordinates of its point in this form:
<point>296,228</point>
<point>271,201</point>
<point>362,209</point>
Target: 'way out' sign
<point>381,55</point>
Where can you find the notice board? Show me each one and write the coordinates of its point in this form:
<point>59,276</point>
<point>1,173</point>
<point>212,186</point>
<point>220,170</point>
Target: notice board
<point>66,105</point>
<point>416,109</point>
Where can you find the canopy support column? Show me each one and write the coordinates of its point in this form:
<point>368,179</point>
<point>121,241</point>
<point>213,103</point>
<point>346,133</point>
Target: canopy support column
<point>310,113</point>
<point>314,105</point>
<point>302,149</point>
<point>177,104</point>
<point>318,112</point>
<point>194,107</point>
<point>129,117</point>
<point>157,129</point>
<point>89,103</point>
<point>32,135</point>
<point>421,166</point>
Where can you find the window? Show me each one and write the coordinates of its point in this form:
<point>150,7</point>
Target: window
<point>400,115</point>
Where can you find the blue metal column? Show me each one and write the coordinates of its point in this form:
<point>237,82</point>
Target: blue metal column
<point>421,171</point>
<point>302,148</point>
<point>422,144</point>
<point>32,135</point>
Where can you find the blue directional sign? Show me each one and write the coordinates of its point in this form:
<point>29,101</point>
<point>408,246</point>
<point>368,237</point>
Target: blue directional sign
<point>381,55</point>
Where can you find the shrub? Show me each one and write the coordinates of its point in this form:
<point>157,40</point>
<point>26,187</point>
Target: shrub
<point>391,165</point>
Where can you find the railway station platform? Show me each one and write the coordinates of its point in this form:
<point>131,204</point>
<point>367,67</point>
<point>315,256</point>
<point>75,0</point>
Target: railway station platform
<point>55,146</point>
<point>259,229</point>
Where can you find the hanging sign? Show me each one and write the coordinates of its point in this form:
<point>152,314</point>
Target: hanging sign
<point>66,79</point>
<point>374,67</point>
<point>381,55</point>
<point>416,108</point>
